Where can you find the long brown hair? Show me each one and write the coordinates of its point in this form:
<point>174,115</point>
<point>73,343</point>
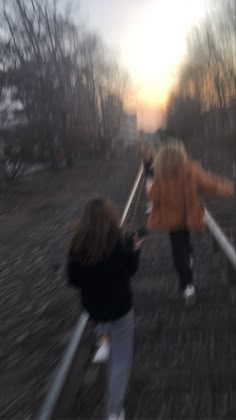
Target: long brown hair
<point>97,232</point>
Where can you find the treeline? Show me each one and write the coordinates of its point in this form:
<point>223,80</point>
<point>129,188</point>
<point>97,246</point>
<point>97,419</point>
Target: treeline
<point>69,84</point>
<point>203,103</point>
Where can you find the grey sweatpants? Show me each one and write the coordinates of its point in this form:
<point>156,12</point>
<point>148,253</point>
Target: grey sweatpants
<point>121,334</point>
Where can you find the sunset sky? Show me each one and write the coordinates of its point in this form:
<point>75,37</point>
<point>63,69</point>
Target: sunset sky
<point>149,36</point>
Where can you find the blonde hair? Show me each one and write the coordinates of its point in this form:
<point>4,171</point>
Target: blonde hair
<point>170,158</point>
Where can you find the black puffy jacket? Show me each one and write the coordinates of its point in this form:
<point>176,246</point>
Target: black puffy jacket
<point>105,287</point>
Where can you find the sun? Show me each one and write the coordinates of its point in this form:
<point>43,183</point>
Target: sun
<point>156,43</point>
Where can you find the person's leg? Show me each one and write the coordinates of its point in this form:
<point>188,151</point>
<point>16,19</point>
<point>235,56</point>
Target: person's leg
<point>121,354</point>
<point>189,248</point>
<point>182,253</point>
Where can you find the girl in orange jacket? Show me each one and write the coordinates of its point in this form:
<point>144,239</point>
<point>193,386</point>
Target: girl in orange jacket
<point>175,194</point>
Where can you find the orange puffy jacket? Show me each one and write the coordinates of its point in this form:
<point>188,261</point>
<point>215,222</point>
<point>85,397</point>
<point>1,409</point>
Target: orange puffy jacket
<point>176,201</point>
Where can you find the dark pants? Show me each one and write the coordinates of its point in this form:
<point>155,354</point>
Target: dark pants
<point>182,252</point>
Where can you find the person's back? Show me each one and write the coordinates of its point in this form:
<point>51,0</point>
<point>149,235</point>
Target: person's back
<point>105,286</point>
<point>168,201</point>
<point>177,198</point>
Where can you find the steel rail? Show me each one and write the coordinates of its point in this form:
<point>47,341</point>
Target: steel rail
<point>55,390</point>
<point>220,238</point>
<point>131,197</point>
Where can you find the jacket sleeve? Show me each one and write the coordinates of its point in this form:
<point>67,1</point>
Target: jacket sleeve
<point>212,185</point>
<point>74,273</point>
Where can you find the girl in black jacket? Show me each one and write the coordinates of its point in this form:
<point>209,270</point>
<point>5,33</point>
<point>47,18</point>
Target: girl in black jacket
<point>101,261</point>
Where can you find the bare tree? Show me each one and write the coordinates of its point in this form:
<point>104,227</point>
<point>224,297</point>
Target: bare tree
<point>43,45</point>
<point>62,77</point>
<point>208,74</point>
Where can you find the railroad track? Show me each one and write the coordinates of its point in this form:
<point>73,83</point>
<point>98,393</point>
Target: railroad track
<point>75,367</point>
<point>62,392</point>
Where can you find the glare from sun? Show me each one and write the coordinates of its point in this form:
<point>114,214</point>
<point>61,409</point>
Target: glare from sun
<point>156,44</point>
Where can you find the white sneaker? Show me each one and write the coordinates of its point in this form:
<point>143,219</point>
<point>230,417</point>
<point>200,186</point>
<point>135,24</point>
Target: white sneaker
<point>190,295</point>
<point>102,354</point>
<point>115,417</point>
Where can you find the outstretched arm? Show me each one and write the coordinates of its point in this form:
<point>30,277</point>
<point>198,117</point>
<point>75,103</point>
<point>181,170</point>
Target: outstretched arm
<point>212,185</point>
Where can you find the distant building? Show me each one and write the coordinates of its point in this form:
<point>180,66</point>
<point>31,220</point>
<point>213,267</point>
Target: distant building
<point>12,118</point>
<point>11,110</point>
<point>129,132</point>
